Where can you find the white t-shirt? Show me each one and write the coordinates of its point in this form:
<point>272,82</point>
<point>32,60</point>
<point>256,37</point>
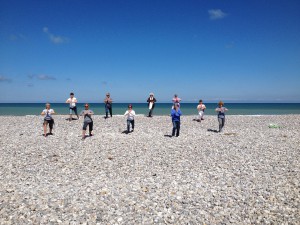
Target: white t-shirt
<point>48,113</point>
<point>201,107</point>
<point>130,115</point>
<point>72,102</point>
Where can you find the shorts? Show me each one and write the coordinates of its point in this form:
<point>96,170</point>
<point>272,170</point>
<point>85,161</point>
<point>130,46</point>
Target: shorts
<point>50,122</point>
<point>85,124</point>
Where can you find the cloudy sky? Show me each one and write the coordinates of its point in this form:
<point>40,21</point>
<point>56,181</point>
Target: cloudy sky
<point>237,51</point>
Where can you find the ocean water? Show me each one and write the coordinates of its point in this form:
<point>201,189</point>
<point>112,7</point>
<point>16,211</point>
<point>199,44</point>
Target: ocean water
<point>21,109</point>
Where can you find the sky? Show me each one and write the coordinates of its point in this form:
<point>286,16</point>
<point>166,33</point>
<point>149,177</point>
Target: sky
<point>235,51</point>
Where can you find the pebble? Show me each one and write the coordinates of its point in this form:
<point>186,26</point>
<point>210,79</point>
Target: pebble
<point>249,174</point>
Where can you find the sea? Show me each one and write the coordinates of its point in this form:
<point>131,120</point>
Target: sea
<point>22,109</point>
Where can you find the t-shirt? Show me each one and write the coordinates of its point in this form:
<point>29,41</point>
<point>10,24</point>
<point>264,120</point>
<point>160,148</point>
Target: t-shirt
<point>221,112</point>
<point>72,102</point>
<point>130,115</point>
<point>201,107</point>
<point>48,113</point>
<point>87,118</point>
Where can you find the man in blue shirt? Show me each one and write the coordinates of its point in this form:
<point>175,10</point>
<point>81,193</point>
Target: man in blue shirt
<point>175,114</point>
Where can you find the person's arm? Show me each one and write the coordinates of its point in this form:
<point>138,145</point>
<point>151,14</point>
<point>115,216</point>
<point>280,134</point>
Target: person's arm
<point>68,100</point>
<point>225,109</point>
<point>179,112</point>
<point>52,111</point>
<point>91,112</point>
<point>43,113</point>
<point>110,100</point>
<point>75,100</point>
<point>126,113</point>
<point>154,99</point>
<point>148,100</point>
<point>217,109</point>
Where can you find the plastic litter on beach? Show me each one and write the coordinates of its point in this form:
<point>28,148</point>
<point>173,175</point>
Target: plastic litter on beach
<point>273,125</point>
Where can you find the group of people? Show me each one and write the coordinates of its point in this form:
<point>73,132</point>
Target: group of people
<point>129,114</point>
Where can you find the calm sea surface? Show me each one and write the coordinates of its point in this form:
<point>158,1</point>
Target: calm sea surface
<point>21,109</point>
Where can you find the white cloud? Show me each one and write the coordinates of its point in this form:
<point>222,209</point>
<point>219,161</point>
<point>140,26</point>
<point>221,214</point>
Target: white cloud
<point>45,77</point>
<point>4,79</point>
<point>56,39</point>
<point>215,14</point>
<point>41,77</point>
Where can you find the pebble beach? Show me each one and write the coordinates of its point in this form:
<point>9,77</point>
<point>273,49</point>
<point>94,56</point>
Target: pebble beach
<point>248,174</point>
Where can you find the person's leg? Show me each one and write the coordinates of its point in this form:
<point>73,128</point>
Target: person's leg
<point>178,128</point>
<point>110,111</point>
<point>71,111</point>
<point>51,122</point>
<point>220,124</point>
<point>45,127</point>
<point>84,129</point>
<point>150,112</point>
<point>174,128</point>
<point>91,127</point>
<point>75,110</point>
<point>132,125</point>
<point>106,112</point>
<point>201,113</point>
<point>128,125</point>
<point>223,123</point>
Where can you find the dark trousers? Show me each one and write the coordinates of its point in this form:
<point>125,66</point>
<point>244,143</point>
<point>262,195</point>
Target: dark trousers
<point>108,109</point>
<point>128,125</point>
<point>85,124</point>
<point>176,127</point>
<point>150,112</point>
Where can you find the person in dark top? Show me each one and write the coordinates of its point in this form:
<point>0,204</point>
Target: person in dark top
<point>108,105</point>
<point>151,104</point>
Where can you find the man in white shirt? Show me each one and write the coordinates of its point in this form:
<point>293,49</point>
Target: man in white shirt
<point>72,101</point>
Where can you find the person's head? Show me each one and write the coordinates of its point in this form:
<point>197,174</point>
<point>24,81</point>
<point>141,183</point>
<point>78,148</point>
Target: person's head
<point>71,94</point>
<point>47,105</point>
<point>86,106</point>
<point>175,95</point>
<point>108,94</point>
<point>129,106</point>
<point>200,101</point>
<point>151,94</point>
<point>221,103</point>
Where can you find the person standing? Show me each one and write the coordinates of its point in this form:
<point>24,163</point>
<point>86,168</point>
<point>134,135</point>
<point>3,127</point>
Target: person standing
<point>47,112</point>
<point>88,121</point>
<point>201,107</point>
<point>130,114</point>
<point>176,100</point>
<point>72,101</point>
<point>108,105</point>
<point>221,115</point>
<point>151,104</point>
<point>175,114</point>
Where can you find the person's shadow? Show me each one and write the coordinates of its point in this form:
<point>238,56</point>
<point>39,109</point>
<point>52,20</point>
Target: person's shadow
<point>126,132</point>
<point>167,135</point>
<point>211,130</point>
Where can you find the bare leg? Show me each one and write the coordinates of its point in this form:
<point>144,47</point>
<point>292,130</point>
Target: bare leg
<point>45,129</point>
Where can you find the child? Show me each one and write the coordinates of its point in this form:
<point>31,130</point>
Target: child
<point>221,115</point>
<point>88,121</point>
<point>175,114</point>
<point>201,107</point>
<point>130,113</point>
<point>48,119</point>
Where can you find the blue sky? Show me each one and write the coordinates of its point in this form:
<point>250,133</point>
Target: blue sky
<point>237,51</point>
